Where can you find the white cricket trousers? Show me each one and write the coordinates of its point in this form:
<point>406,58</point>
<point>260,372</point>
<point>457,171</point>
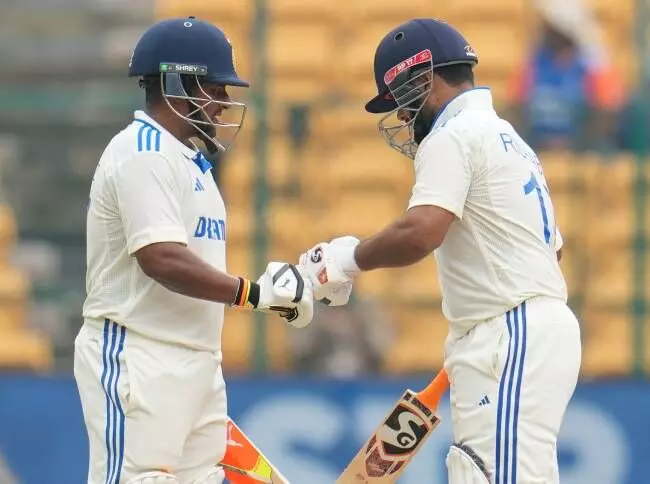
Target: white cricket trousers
<point>148,405</point>
<point>511,380</point>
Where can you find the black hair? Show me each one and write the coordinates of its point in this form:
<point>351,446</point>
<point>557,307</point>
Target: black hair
<point>456,74</point>
<point>152,89</point>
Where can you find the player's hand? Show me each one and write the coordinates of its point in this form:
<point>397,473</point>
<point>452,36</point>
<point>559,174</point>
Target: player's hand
<point>324,266</point>
<point>284,289</point>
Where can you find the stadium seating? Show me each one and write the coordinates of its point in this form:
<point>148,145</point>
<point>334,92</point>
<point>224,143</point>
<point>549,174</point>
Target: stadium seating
<point>607,344</point>
<point>24,350</point>
<point>419,346</point>
<point>236,340</point>
<point>20,346</point>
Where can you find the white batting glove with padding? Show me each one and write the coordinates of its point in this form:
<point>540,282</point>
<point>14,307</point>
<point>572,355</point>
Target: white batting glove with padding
<point>286,290</point>
<point>330,266</point>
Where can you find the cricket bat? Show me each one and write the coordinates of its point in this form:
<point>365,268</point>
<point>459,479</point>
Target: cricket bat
<point>384,457</point>
<point>244,463</point>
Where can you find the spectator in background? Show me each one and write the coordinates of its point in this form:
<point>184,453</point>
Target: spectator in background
<point>344,341</point>
<point>567,96</point>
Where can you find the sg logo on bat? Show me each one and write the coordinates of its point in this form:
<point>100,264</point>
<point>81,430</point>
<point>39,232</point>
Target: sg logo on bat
<point>402,432</point>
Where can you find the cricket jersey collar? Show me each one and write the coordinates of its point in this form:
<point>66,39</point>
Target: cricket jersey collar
<point>173,141</point>
<point>477,98</point>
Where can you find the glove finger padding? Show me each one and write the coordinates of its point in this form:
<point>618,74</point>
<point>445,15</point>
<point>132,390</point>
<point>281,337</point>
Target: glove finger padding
<point>280,283</point>
<point>331,285</point>
<point>288,292</point>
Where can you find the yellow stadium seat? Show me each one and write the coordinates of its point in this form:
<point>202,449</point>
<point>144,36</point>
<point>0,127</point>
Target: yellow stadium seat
<point>214,10</point>
<point>14,285</point>
<point>375,284</point>
<point>419,345</point>
<point>357,52</point>
<point>348,119</point>
<point>461,11</point>
<point>7,225</point>
<point>8,321</point>
<point>612,229</point>
<point>302,88</point>
<point>285,163</point>
<point>361,213</point>
<point>361,86</point>
<point>297,10</point>
<point>560,170</point>
<point>238,177</point>
<point>394,13</point>
<point>283,250</point>
<point>617,173</point>
<point>237,340</point>
<point>239,260</point>
<point>355,163</point>
<point>607,343</point>
<point>295,225</point>
<point>7,232</point>
<point>298,49</point>
<point>611,280</point>
<point>277,339</point>
<point>567,215</point>
<point>14,296</point>
<point>21,349</point>
<point>498,45</point>
<point>607,10</point>
<point>240,226</point>
<point>609,188</point>
<point>370,164</point>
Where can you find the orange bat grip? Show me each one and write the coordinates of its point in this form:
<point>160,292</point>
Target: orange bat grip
<point>434,392</point>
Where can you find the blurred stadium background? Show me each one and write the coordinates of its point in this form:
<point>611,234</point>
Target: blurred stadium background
<point>309,165</point>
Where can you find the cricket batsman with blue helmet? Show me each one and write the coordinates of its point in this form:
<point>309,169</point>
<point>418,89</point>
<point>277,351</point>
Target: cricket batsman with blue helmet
<point>481,205</point>
<point>148,356</point>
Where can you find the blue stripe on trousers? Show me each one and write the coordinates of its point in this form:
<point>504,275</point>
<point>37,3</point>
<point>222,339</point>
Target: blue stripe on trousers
<point>504,374</point>
<point>106,376</point>
<point>520,376</point>
<point>509,395</point>
<point>120,410</point>
<point>114,412</point>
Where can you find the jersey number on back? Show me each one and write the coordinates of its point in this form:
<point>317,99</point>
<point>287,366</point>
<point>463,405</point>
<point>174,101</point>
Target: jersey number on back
<point>533,187</point>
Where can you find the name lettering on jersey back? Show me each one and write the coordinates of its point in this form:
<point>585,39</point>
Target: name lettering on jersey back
<point>210,228</point>
<point>521,148</point>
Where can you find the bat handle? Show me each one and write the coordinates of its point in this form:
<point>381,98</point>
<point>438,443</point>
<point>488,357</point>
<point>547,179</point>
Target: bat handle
<point>435,390</point>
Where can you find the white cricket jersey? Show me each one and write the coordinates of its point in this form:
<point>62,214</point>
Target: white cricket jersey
<point>149,187</point>
<point>501,249</point>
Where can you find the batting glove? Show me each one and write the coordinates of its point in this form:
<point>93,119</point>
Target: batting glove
<point>285,290</point>
<point>330,267</point>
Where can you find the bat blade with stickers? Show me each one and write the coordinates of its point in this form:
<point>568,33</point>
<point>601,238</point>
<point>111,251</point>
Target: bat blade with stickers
<point>244,463</point>
<point>384,457</point>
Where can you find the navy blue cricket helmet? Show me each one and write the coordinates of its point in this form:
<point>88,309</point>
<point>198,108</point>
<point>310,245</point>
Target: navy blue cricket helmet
<point>402,60</point>
<point>174,50</point>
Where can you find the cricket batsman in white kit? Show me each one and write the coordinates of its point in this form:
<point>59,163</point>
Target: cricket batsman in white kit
<point>148,356</point>
<point>481,205</point>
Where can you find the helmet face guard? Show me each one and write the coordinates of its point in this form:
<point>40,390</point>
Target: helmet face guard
<point>218,131</point>
<point>409,84</point>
